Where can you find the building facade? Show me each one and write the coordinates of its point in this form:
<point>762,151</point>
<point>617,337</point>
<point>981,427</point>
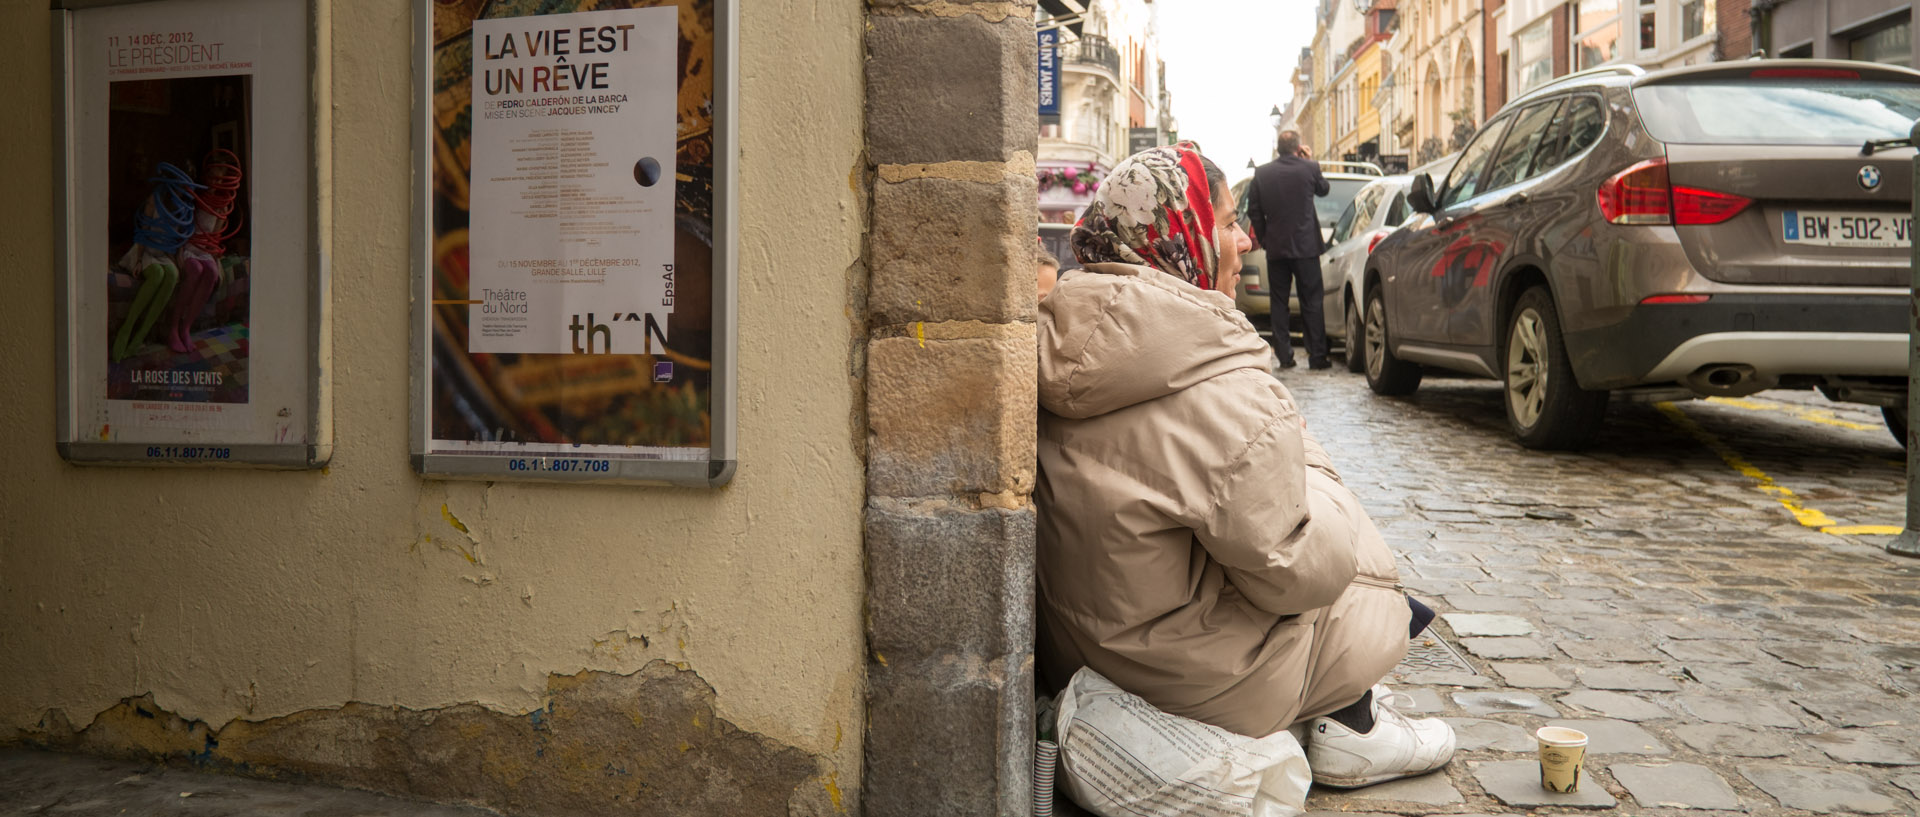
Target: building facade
<point>844,628</point>
<point>1297,116</point>
<point>1418,77</point>
<point>1869,30</point>
<point>1538,40</point>
<point>1436,80</point>
<point>1112,97</point>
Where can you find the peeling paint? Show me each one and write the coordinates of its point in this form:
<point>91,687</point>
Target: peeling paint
<point>447,514</point>
<point>460,549</point>
<point>832,784</point>
<point>603,744</point>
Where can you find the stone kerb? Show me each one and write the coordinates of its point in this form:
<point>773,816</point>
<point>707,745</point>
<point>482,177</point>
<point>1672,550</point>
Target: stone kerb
<point>951,408</point>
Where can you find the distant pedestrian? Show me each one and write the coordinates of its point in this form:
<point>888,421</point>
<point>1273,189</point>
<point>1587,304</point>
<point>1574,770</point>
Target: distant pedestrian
<point>1280,205</point>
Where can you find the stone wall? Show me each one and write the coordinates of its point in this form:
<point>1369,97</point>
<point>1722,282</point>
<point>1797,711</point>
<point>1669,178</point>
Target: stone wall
<point>951,133</point>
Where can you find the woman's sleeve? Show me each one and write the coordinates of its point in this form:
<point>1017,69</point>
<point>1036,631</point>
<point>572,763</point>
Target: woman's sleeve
<point>1275,525</point>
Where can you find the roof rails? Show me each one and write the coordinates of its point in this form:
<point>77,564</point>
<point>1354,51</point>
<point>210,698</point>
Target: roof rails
<point>1622,69</point>
<point>1365,168</point>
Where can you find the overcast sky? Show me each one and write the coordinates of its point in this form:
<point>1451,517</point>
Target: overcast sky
<point>1227,66</point>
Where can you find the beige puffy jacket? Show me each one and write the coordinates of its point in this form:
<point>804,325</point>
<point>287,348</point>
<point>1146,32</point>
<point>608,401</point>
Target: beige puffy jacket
<point>1195,544</point>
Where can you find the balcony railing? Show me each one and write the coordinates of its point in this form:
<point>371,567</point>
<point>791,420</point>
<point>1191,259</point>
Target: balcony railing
<point>1092,49</point>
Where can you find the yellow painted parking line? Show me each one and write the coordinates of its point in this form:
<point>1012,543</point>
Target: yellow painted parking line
<point>1810,517</point>
<point>1807,413</point>
<point>1860,530</point>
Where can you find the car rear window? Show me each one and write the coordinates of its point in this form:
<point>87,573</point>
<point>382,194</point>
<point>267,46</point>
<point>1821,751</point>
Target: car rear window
<point>1329,206</point>
<point>1802,111</point>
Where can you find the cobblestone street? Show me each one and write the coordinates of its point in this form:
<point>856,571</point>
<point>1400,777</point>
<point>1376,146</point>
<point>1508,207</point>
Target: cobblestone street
<point>1669,592</point>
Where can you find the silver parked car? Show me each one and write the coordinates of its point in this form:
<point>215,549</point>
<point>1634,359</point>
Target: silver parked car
<point>1375,212</point>
<point>1711,230</point>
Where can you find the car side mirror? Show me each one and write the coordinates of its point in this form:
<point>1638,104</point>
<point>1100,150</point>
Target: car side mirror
<point>1420,198</point>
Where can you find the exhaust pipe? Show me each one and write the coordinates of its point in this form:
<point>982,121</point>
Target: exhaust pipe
<point>1728,380</point>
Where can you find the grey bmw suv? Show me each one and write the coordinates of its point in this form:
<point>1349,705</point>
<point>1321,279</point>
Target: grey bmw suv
<point>1710,230</point>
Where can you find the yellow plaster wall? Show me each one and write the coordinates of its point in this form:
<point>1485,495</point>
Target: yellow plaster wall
<point>1366,70</point>
<point>252,594</point>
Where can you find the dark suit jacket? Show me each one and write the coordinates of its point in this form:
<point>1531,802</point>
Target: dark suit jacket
<point>1280,207</point>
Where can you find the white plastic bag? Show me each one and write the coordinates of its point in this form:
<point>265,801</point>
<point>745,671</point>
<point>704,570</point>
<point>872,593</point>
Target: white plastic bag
<point>1121,757</point>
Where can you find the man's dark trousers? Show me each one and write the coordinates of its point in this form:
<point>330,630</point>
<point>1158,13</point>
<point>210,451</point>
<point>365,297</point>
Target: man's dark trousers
<point>1284,274</point>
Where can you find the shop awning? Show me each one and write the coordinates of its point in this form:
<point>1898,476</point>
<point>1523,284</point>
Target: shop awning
<point>1068,14</point>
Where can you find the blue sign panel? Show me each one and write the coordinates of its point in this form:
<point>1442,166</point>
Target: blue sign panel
<point>1049,72</point>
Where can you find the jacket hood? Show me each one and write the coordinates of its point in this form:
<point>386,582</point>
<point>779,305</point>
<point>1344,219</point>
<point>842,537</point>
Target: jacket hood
<point>1113,335</point>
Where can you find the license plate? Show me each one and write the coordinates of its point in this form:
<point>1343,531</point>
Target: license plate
<point>1830,229</point>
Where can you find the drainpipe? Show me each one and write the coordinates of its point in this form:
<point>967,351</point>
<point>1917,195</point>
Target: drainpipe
<point>1908,542</point>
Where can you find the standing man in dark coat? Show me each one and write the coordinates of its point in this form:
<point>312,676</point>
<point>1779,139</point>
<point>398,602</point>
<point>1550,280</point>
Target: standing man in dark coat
<point>1280,206</point>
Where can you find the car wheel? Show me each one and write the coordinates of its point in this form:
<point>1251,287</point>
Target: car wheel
<point>1356,343</point>
<point>1386,374</point>
<point>1545,405</point>
<point>1896,422</point>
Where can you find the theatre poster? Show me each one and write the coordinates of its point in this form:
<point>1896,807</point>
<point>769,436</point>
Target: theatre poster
<point>574,316</point>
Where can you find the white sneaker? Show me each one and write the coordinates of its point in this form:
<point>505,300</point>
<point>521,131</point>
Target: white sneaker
<point>1397,747</point>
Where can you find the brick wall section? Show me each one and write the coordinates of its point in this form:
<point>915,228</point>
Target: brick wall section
<point>1736,34</point>
<point>1562,58</point>
<point>951,404</point>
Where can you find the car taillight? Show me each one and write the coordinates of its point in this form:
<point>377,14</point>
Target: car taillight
<point>1375,240</point>
<point>1674,299</point>
<point>1638,195</point>
<point>1691,205</point>
<point>1641,194</point>
<point>1804,73</point>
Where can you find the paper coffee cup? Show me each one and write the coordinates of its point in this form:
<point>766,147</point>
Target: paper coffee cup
<point>1562,752</point>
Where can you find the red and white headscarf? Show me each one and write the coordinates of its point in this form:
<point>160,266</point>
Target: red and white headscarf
<point>1155,209</point>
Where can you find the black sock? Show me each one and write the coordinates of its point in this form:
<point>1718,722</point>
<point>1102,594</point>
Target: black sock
<point>1422,616</point>
<point>1358,715</point>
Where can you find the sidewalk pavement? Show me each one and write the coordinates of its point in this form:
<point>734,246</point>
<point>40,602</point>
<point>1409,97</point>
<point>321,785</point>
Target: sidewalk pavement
<point>1698,592</point>
<point>46,783</point>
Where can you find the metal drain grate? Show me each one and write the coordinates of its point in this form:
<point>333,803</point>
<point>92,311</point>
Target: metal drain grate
<point>1431,653</point>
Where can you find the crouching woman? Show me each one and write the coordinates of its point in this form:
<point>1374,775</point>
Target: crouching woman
<point>1196,546</point>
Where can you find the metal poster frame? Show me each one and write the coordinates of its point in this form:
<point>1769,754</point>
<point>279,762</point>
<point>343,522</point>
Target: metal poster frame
<point>546,461</point>
<point>285,439</point>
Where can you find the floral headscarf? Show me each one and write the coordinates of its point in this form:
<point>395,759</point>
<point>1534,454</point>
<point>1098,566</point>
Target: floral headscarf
<point>1155,210</point>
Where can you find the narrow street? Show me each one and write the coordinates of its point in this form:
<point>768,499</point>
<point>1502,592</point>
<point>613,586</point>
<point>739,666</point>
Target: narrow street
<point>1667,592</point>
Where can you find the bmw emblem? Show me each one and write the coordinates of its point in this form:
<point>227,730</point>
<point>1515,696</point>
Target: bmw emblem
<point>1870,177</point>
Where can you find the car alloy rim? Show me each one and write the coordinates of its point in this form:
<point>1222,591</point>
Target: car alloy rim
<point>1527,369</point>
<point>1376,337</point>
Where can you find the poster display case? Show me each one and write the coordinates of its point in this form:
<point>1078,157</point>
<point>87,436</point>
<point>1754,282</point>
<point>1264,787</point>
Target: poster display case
<point>574,218</point>
<point>193,213</point>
